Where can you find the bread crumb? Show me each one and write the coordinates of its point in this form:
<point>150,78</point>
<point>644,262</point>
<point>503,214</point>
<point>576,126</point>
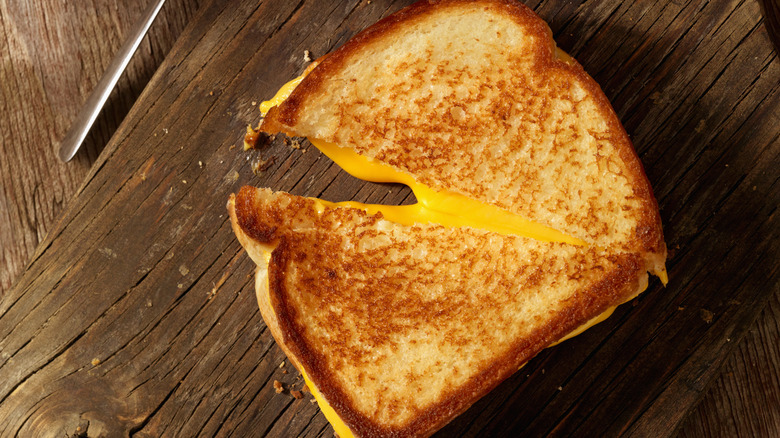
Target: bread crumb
<point>281,365</point>
<point>706,315</point>
<point>95,362</point>
<point>254,102</point>
<point>560,388</point>
<point>307,56</point>
<point>200,164</point>
<point>218,284</point>
<point>297,394</point>
<point>250,138</point>
<point>312,401</point>
<point>261,165</point>
<point>292,142</point>
<point>278,387</point>
<point>284,371</point>
<point>211,93</point>
<point>255,139</point>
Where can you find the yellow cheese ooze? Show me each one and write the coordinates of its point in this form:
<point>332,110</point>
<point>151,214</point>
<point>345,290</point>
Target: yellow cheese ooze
<point>285,91</point>
<point>341,429</point>
<point>280,95</point>
<point>440,207</point>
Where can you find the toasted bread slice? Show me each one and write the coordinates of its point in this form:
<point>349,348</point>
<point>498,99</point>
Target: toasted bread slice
<point>400,328</point>
<point>474,98</point>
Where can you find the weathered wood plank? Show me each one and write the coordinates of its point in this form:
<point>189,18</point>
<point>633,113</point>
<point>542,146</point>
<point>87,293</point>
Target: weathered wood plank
<point>755,365</point>
<point>49,67</point>
<point>137,313</point>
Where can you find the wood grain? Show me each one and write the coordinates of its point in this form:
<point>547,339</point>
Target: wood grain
<point>49,68</point>
<point>745,400</point>
<point>150,327</point>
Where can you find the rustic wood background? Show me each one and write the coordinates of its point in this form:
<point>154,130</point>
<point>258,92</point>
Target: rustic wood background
<point>126,306</point>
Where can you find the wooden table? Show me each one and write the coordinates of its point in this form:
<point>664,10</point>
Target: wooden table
<point>126,306</point>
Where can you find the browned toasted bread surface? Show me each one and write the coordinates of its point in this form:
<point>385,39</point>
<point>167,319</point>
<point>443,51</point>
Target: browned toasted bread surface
<point>403,327</point>
<point>469,97</point>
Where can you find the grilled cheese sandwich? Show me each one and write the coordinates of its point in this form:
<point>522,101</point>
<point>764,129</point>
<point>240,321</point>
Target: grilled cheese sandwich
<point>534,218</point>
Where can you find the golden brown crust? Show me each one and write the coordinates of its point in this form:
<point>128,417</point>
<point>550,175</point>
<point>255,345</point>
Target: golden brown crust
<point>250,222</point>
<point>310,241</point>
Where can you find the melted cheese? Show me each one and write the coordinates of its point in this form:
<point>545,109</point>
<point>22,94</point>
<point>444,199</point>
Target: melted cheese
<point>600,318</point>
<point>662,275</point>
<point>286,90</point>
<point>280,95</point>
<point>341,428</point>
<point>440,207</point>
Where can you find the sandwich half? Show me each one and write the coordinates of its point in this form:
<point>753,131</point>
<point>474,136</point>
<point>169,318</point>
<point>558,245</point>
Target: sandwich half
<point>534,217</point>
